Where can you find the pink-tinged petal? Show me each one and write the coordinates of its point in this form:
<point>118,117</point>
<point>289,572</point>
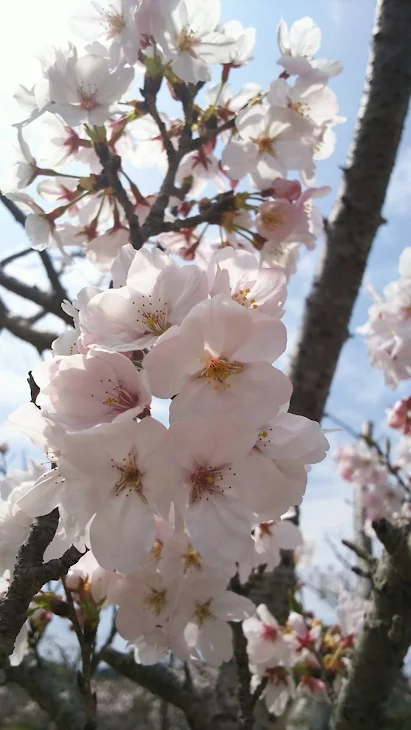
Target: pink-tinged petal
<point>43,496</point>
<point>267,342</point>
<point>219,527</point>
<point>166,363</point>
<point>215,642</point>
<point>261,486</point>
<point>230,606</point>
<point>122,533</point>
<point>215,441</point>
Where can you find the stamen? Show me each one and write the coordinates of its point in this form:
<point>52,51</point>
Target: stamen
<point>218,370</point>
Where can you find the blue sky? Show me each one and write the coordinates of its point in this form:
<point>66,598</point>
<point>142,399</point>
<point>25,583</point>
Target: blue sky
<point>358,391</point>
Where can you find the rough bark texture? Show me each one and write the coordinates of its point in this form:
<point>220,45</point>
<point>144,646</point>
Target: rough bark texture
<point>356,216</point>
<point>386,636</point>
<point>30,574</point>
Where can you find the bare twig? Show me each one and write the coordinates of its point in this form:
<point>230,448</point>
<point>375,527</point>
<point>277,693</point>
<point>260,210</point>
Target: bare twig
<point>111,165</point>
<point>363,554</point>
<point>86,640</point>
<point>49,302</point>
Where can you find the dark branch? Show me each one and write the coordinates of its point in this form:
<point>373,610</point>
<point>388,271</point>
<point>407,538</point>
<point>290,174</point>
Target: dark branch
<point>386,636</point>
<point>164,683</point>
<point>356,216</point>
<point>53,277</point>
<point>111,165</point>
<point>49,302</point>
<point>23,329</point>
<point>51,690</point>
<point>30,574</point>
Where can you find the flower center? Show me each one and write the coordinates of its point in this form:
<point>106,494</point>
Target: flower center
<point>218,370</point>
<point>270,633</point>
<point>241,297</point>
<point>300,108</point>
<point>272,219</point>
<point>186,40</point>
<point>207,481</point>
<point>120,399</point>
<point>191,559</point>
<point>87,97</point>
<point>114,22</point>
<point>263,439</point>
<point>156,600</point>
<point>154,316</point>
<point>406,312</point>
<point>130,477</point>
<point>265,144</point>
<point>202,612</point>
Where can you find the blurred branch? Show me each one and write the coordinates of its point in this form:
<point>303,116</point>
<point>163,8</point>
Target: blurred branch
<point>23,329</point>
<point>357,213</point>
<point>50,303</point>
<point>30,574</point>
<point>53,276</point>
<point>164,683</point>
<point>51,690</point>
<point>386,635</point>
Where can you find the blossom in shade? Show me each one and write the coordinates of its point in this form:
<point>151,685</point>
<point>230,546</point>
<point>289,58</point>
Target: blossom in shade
<point>265,642</point>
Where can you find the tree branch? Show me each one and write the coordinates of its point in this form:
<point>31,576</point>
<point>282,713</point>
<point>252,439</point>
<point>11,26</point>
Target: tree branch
<point>51,690</point>
<point>54,278</point>
<point>30,574</point>
<point>23,329</point>
<point>51,303</point>
<point>111,165</point>
<point>386,635</point>
<point>164,683</point>
<point>356,216</point>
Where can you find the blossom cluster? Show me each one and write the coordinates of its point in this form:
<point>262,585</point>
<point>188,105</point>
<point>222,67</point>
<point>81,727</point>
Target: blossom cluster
<point>388,330</point>
<point>168,514</point>
<point>250,136</point>
<point>304,657</point>
<point>176,511</point>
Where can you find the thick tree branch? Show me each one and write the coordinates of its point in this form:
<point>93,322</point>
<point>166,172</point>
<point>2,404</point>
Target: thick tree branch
<point>51,690</point>
<point>30,574</point>
<point>386,635</point>
<point>164,683</point>
<point>356,216</point>
<point>23,329</point>
<point>49,302</point>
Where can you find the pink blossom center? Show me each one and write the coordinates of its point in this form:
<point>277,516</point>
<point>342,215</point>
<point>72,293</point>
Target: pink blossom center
<point>241,297</point>
<point>270,633</point>
<point>277,675</point>
<point>265,144</point>
<point>113,22</point>
<point>218,370</point>
<point>207,481</point>
<point>120,399</point>
<point>87,97</point>
<point>154,315</point>
<point>186,41</point>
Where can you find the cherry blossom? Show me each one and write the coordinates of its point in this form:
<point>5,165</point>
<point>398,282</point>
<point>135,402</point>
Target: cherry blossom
<point>265,642</point>
<point>158,294</point>
<point>271,141</point>
<point>81,391</point>
<point>114,22</point>
<point>190,40</point>
<point>298,45</point>
<point>238,275</point>
<point>219,359</point>
<point>85,89</point>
